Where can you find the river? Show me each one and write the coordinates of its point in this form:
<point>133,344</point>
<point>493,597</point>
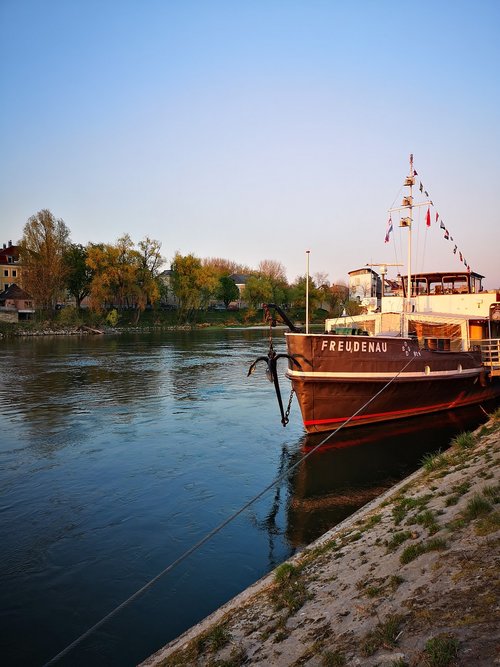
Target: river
<point>118,453</point>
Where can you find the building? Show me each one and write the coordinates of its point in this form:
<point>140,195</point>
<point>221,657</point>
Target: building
<point>16,304</point>
<point>10,269</point>
<point>365,286</point>
<point>240,281</point>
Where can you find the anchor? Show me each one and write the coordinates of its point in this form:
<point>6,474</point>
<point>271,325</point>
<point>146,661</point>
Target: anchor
<point>272,375</point>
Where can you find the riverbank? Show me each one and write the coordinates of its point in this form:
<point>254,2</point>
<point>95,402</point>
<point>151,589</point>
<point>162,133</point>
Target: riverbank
<point>410,579</point>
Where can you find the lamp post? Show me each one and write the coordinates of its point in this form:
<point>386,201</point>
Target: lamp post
<point>307,292</point>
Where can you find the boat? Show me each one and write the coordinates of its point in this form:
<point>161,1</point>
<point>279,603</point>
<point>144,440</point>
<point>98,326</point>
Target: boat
<point>432,345</point>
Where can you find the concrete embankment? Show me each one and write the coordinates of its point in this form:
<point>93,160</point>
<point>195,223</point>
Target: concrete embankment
<point>410,579</point>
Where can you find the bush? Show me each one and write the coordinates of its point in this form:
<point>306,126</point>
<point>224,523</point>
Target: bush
<point>112,318</point>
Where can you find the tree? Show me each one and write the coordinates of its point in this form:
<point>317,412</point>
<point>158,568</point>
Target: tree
<point>124,276</point>
<point>42,250</point>
<point>274,272</point>
<point>258,290</point>
<point>224,267</point>
<point>114,268</point>
<point>272,269</point>
<point>298,293</point>
<point>151,259</point>
<point>78,273</point>
<point>187,282</point>
<point>226,290</point>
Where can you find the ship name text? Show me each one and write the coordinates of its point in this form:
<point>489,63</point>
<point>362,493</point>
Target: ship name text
<point>353,346</point>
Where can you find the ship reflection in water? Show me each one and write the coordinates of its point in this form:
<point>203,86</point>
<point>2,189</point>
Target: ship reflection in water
<point>359,464</point>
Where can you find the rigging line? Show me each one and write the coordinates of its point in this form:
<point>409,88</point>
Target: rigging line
<point>217,529</point>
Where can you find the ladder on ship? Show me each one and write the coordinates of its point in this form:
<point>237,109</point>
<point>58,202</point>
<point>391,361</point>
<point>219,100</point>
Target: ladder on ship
<point>490,355</point>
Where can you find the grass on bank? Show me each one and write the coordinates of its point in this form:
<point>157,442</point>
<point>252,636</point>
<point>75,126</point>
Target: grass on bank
<point>72,318</point>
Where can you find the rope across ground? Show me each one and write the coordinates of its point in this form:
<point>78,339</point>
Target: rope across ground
<point>411,579</point>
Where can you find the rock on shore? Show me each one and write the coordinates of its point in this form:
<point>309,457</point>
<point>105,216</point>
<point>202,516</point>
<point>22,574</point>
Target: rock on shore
<point>410,579</point>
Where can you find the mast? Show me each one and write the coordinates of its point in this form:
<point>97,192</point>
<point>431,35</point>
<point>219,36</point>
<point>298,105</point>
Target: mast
<point>408,205</point>
<point>410,181</point>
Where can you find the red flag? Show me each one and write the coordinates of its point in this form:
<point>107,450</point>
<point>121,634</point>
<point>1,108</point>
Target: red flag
<point>428,217</point>
<point>437,216</point>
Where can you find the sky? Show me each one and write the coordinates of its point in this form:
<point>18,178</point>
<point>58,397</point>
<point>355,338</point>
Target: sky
<point>256,129</point>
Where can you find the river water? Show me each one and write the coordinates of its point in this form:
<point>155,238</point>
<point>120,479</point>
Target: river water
<point>118,453</point>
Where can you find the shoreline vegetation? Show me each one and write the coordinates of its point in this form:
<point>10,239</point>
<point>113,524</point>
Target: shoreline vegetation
<point>70,322</point>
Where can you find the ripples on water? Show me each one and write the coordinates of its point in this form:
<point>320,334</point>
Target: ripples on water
<point>119,453</point>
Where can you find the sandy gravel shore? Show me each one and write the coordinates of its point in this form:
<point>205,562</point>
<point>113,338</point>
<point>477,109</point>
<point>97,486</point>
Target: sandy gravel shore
<point>411,579</point>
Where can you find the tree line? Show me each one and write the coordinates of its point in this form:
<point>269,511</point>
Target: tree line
<point>127,275</point>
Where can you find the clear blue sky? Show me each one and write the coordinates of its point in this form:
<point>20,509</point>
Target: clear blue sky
<point>254,129</point>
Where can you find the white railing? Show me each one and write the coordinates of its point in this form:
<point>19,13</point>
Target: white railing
<point>490,354</point>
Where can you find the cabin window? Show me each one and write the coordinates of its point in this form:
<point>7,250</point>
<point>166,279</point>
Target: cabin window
<point>419,286</point>
<point>455,285</point>
<point>475,285</point>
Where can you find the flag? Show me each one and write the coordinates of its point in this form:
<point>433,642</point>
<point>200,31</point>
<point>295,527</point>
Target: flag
<point>389,230</point>
<point>426,193</point>
<point>446,234</point>
<point>437,216</point>
<point>455,250</point>
<point>415,173</point>
<point>460,254</point>
<point>442,225</point>
<point>428,217</point>
<point>421,187</point>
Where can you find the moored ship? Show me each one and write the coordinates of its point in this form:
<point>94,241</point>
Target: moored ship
<point>433,346</point>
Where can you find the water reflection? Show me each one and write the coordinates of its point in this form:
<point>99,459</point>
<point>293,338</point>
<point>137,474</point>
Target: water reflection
<point>359,464</point>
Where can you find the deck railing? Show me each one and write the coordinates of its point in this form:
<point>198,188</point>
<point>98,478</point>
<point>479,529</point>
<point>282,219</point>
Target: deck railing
<point>490,354</point>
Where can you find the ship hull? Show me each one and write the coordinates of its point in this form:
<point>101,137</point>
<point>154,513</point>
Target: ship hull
<point>356,380</point>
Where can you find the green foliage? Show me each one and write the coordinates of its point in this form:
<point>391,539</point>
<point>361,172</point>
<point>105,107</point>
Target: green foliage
<point>464,441</point>
<point>478,505</point>
<point>333,659</point>
<point>227,290</point>
<point>441,651</point>
<point>78,273</point>
<point>193,285</point>
<point>427,519</point>
<point>258,290</point>
<point>112,318</point>
<point>403,505</point>
<point>415,550</point>
<point>434,461</point>
<point>214,639</point>
<point>69,317</point>
<point>397,539</point>
<point>492,493</point>
<point>290,591</point>
<point>385,634</point>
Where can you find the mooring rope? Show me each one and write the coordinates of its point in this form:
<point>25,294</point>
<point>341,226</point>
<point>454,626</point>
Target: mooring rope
<point>218,528</point>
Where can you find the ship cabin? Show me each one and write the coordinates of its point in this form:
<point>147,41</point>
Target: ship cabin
<point>439,283</point>
<point>447,311</point>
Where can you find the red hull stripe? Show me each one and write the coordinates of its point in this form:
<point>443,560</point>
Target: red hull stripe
<point>394,413</point>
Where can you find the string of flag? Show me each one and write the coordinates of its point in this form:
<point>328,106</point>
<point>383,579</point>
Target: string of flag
<point>437,219</point>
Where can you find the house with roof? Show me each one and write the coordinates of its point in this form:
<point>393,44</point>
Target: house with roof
<point>168,298</point>
<point>240,280</point>
<point>365,286</point>
<point>16,305</point>
<point>10,269</point>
